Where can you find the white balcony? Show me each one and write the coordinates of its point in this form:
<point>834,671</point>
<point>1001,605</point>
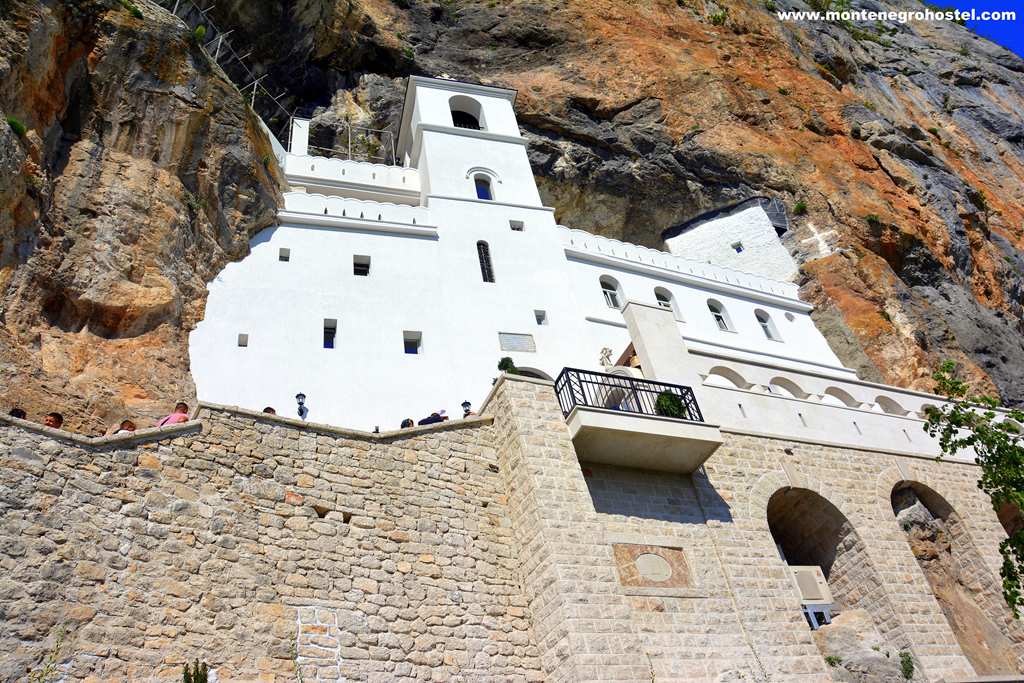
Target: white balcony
<point>355,179</point>
<point>619,420</point>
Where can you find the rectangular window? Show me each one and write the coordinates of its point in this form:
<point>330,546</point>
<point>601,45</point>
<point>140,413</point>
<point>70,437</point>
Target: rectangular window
<point>511,341</point>
<point>413,341</point>
<point>284,254</point>
<point>737,247</point>
<point>361,265</point>
<point>541,317</point>
<point>243,340</point>
<point>330,332</point>
<point>517,226</point>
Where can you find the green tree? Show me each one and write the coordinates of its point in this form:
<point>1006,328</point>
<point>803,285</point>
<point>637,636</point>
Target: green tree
<point>970,421</point>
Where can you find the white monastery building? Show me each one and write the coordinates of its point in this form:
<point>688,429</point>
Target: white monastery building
<point>391,292</point>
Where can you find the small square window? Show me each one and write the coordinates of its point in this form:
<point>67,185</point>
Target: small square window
<point>541,317</point>
<point>284,254</point>
<point>413,341</point>
<point>517,226</point>
<point>361,265</point>
<point>243,340</point>
<point>330,332</point>
<point>737,247</point>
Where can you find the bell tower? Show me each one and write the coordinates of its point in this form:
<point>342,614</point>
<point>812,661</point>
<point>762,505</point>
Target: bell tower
<point>464,140</point>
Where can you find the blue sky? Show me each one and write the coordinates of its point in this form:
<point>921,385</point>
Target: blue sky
<point>1007,33</point>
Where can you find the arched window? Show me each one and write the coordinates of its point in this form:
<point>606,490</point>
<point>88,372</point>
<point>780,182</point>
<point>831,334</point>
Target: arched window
<point>719,314</point>
<point>720,376</point>
<point>666,300</point>
<point>612,294</point>
<point>466,112</point>
<point>890,406</point>
<point>767,326</point>
<point>837,397</point>
<point>483,187</point>
<point>786,387</point>
<point>483,252</point>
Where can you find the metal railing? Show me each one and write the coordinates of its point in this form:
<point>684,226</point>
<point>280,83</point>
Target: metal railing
<point>355,143</point>
<point>627,394</point>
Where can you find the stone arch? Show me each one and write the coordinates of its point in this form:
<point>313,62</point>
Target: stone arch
<point>837,396</point>
<point>534,373</point>
<point>810,530</point>
<point>784,386</point>
<point>967,592</point>
<point>720,376</point>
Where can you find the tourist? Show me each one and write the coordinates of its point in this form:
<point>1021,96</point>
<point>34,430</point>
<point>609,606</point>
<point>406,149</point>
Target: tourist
<point>467,410</point>
<point>127,427</point>
<point>179,415</point>
<point>431,419</point>
<point>269,411</point>
<point>53,420</point>
<point>407,423</point>
<point>18,413</point>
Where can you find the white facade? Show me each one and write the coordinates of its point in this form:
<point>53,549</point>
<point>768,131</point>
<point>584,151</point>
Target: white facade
<point>419,229</point>
<point>743,239</point>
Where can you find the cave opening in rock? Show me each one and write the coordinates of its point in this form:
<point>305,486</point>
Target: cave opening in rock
<point>966,589</point>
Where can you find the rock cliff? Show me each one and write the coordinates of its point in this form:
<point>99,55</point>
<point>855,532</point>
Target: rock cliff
<point>132,172</point>
<point>903,142</point>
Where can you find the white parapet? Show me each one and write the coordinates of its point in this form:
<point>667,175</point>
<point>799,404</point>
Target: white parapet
<point>320,205</point>
<point>357,179</point>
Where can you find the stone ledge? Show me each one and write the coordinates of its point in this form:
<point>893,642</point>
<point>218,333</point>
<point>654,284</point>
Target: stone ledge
<point>134,438</point>
<point>652,592</point>
<point>505,377</point>
<point>320,427</point>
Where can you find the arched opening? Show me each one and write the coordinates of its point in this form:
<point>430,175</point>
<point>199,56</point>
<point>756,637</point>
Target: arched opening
<point>720,315</point>
<point>666,300</point>
<point>767,325</point>
<point>890,406</point>
<point>809,531</point>
<point>482,185</point>
<point>837,397</point>
<point>611,291</point>
<point>466,112</point>
<point>968,593</point>
<point>483,252</point>
<point>721,376</point>
<point>786,387</point>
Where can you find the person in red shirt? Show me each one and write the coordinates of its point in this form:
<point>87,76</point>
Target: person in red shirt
<point>179,415</point>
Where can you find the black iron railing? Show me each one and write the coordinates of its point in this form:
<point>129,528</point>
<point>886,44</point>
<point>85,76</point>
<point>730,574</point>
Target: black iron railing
<point>627,394</point>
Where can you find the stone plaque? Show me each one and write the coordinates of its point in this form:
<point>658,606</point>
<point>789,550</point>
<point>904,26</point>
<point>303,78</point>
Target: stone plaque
<point>651,566</point>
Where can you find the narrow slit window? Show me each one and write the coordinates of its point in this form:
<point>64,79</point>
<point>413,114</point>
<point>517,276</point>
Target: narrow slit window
<point>541,317</point>
<point>412,342</point>
<point>517,226</point>
<point>330,332</point>
<point>737,247</point>
<point>483,252</point>
<point>243,340</point>
<point>284,254</point>
<point>361,265</point>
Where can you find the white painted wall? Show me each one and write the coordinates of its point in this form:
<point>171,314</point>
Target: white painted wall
<point>763,253</point>
<point>425,277</point>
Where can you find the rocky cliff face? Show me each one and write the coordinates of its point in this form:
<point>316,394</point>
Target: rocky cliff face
<point>141,172</point>
<point>132,173</point>
<point>904,142</point>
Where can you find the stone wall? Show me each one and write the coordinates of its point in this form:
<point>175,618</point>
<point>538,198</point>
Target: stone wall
<point>254,543</point>
<point>477,550</point>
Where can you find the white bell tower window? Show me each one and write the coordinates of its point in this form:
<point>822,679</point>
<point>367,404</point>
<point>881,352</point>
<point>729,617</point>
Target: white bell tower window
<point>466,113</point>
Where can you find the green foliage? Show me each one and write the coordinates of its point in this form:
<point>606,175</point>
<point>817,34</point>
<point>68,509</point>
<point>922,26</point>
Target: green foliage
<point>199,33</point>
<point>934,131</point>
<point>669,405</point>
<point>873,220</point>
<point>132,8</point>
<point>17,126</point>
<point>833,660</point>
<point>800,208</point>
<point>769,5</point>
<point>964,50</point>
<point>198,673</point>
<point>969,421</point>
<point>783,91</point>
<point>718,18</point>
<point>906,665</point>
<point>979,200</point>
<point>507,365</point>
<point>48,668</point>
